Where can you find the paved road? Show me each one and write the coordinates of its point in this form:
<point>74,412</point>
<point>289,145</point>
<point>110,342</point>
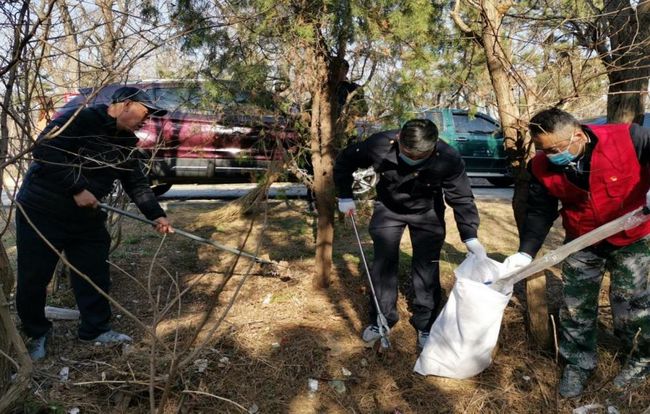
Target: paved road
<point>480,187</point>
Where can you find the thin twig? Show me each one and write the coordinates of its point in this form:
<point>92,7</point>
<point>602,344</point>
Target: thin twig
<point>217,397</point>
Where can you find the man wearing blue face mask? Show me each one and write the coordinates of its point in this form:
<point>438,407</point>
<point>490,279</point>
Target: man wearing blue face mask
<point>417,174</point>
<point>599,173</point>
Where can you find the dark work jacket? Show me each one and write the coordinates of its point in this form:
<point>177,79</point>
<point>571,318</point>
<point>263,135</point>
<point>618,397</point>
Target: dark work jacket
<point>543,208</point>
<point>89,154</point>
<point>408,189</point>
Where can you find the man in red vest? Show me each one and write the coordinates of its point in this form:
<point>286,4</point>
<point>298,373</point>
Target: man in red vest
<point>598,173</point>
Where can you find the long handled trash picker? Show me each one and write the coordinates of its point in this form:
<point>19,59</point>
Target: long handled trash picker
<point>273,265</point>
<point>382,324</point>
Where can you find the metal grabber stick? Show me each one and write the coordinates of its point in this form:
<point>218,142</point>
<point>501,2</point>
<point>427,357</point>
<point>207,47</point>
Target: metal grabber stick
<point>189,235</point>
<point>382,324</point>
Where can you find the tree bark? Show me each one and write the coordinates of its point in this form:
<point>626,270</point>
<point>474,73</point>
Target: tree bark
<point>628,62</point>
<point>322,153</point>
<point>516,142</point>
<point>7,283</point>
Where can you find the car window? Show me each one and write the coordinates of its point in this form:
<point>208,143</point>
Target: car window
<point>185,99</point>
<point>476,125</point>
<point>434,116</point>
<point>207,98</point>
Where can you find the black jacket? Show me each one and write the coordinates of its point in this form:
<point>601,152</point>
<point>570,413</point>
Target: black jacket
<point>89,154</point>
<point>411,190</point>
<point>542,207</point>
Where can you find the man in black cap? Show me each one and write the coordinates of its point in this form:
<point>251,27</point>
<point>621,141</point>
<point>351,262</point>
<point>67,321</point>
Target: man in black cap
<point>77,159</point>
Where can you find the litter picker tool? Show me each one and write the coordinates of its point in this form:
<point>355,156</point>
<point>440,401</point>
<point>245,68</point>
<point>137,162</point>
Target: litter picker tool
<point>191,236</point>
<point>625,222</point>
<point>382,324</point>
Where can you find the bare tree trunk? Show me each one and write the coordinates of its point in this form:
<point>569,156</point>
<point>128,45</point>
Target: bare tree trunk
<point>498,64</point>
<point>7,283</point>
<point>322,152</point>
<point>72,41</point>
<point>629,60</point>
<point>517,144</point>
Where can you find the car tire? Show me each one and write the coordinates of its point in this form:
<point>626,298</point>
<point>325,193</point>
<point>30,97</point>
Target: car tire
<point>501,181</point>
<point>160,189</point>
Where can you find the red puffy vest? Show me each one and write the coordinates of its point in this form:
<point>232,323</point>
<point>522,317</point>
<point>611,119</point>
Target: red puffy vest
<point>617,185</point>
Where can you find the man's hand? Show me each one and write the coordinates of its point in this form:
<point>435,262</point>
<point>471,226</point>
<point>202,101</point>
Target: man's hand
<point>517,261</point>
<point>346,206</point>
<point>163,226</point>
<point>85,199</point>
<point>476,248</point>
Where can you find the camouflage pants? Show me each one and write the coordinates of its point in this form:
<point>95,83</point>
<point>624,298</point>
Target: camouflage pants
<point>629,295</point>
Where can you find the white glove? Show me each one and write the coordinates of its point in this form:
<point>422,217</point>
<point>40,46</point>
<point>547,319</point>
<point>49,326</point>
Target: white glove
<point>647,199</point>
<point>517,261</point>
<point>346,206</point>
<point>475,247</point>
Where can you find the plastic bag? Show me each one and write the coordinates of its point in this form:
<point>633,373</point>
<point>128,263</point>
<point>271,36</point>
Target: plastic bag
<point>465,333</point>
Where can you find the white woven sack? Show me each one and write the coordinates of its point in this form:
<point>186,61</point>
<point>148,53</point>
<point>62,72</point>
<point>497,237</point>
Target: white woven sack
<point>465,333</point>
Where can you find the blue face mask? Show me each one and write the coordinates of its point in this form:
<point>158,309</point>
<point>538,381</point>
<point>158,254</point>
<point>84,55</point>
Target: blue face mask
<point>562,158</point>
<point>410,161</point>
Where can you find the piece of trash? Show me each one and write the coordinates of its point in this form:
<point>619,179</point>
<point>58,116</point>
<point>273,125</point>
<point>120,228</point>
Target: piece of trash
<point>118,316</point>
<point>74,410</point>
<point>64,374</point>
<point>612,410</point>
<point>364,363</point>
<point>223,361</point>
<point>103,375</point>
<point>201,365</point>
<point>526,378</point>
<point>97,343</point>
<point>338,385</point>
<point>63,314</point>
<point>346,371</point>
<point>267,299</point>
<point>126,348</point>
<point>587,409</point>
<point>312,385</point>
<point>254,409</point>
<point>275,345</point>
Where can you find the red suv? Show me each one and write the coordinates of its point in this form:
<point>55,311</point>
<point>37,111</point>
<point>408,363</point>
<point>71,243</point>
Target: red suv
<point>213,133</point>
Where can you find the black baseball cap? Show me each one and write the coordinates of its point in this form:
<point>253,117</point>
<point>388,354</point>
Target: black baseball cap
<point>130,93</point>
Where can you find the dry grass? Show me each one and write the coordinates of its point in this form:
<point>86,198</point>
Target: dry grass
<point>280,332</point>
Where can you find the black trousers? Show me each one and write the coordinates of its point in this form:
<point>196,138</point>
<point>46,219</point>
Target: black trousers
<point>427,232</point>
<point>86,244</point>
